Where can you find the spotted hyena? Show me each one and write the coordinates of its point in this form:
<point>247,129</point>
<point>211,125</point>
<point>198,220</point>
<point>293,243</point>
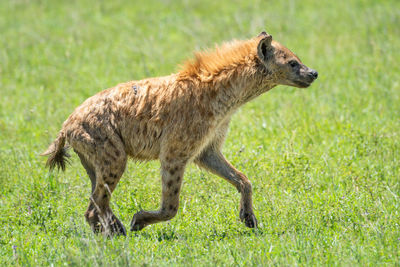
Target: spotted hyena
<point>178,119</point>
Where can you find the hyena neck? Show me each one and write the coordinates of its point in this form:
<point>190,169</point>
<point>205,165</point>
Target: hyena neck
<point>234,87</point>
<point>228,77</point>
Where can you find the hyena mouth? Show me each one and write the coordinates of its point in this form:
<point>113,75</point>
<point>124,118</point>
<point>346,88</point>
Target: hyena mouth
<point>302,84</point>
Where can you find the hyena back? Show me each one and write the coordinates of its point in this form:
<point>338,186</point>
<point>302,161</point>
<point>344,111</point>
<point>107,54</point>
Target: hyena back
<point>178,119</point>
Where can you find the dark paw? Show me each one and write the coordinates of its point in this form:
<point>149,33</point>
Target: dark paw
<point>137,224</point>
<point>107,224</point>
<point>249,219</point>
<point>116,227</point>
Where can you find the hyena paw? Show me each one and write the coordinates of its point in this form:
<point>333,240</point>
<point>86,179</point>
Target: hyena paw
<point>116,227</point>
<point>249,219</point>
<point>137,222</point>
<point>107,224</point>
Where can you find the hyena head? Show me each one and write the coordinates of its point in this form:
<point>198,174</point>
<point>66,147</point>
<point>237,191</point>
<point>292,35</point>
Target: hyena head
<point>285,66</point>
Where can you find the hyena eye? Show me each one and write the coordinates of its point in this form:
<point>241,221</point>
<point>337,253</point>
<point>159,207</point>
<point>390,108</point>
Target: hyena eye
<point>293,63</point>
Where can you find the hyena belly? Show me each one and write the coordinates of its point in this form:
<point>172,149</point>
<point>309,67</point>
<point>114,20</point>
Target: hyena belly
<point>142,139</point>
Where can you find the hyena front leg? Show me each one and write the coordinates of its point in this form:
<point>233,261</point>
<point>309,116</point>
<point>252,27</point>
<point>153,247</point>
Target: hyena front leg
<point>172,175</point>
<point>213,160</point>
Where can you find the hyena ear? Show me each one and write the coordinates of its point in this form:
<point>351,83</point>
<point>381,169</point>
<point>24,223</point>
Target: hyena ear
<point>264,48</point>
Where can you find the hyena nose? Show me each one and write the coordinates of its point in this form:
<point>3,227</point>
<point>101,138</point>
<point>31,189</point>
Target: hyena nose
<point>314,74</point>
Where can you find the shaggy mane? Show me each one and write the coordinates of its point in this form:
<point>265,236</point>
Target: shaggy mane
<point>228,55</point>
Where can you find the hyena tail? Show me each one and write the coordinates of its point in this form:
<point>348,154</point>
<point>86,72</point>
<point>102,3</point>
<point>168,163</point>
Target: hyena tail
<point>57,153</point>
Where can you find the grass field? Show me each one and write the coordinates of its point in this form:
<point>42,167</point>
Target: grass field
<point>324,162</point>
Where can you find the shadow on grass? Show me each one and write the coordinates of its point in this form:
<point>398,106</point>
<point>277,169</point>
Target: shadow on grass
<point>171,234</point>
<point>214,234</point>
<point>159,235</point>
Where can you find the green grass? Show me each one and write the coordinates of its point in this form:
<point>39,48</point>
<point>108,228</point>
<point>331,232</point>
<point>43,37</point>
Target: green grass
<point>324,161</point>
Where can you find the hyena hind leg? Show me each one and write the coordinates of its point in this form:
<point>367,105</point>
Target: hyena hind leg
<point>105,174</point>
<point>89,170</point>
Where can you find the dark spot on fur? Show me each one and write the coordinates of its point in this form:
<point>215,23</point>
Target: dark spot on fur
<point>117,153</point>
<point>112,157</point>
<point>178,179</point>
<point>169,184</point>
<point>172,171</point>
<point>113,175</point>
<point>107,162</point>
<point>144,130</point>
<point>213,93</point>
<point>171,207</point>
<point>112,145</point>
<point>176,191</point>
